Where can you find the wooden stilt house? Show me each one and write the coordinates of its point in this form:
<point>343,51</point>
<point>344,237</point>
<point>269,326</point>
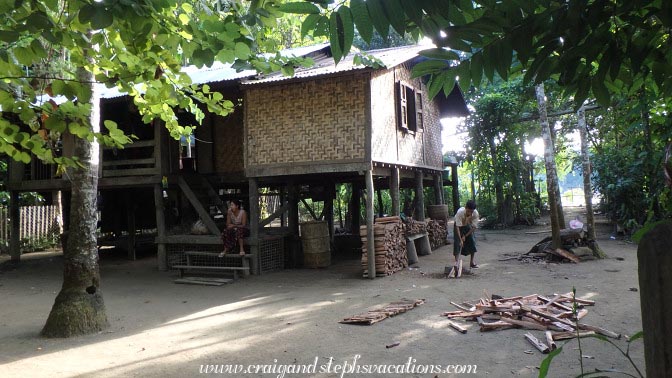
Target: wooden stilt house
<point>290,138</point>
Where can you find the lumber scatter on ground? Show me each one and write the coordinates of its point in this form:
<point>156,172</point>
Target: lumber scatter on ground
<point>554,315</point>
<point>436,230</point>
<point>380,314</point>
<point>389,246</point>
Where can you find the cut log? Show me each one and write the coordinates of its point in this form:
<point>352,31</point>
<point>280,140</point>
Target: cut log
<point>543,348</point>
<point>550,341</point>
<point>525,324</point>
<point>557,336</point>
<point>457,327</point>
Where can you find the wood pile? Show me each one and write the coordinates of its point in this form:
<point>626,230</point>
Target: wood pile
<point>392,309</point>
<point>389,244</point>
<point>551,314</point>
<point>415,227</point>
<point>436,231</point>
<point>575,247</point>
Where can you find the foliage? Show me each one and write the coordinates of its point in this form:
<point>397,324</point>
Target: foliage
<point>138,47</point>
<point>588,47</point>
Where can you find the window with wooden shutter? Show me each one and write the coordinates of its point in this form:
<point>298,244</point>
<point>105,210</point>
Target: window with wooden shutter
<point>412,108</point>
<point>402,105</point>
<point>419,105</point>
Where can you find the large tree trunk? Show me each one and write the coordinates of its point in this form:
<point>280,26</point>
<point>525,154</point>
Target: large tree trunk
<point>587,189</point>
<point>79,308</point>
<point>549,160</point>
<point>499,188</point>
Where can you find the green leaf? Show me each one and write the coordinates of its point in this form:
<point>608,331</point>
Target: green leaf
<point>335,37</point>
<point>309,23</point>
<point>8,36</point>
<point>600,91</point>
<point>448,85</point>
<point>476,69</point>
<point>360,15</point>
<point>546,363</point>
<point>440,53</point>
<point>378,17</point>
<point>395,13</point>
<point>242,51</point>
<point>436,83</point>
<point>348,28</point>
<point>101,18</point>
<point>428,67</point>
<point>636,336</point>
<point>300,8</point>
<point>24,55</point>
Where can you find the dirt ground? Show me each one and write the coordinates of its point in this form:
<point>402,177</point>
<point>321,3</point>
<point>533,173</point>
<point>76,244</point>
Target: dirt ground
<point>290,318</point>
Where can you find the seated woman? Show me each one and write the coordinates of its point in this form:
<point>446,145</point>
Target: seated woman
<point>236,228</point>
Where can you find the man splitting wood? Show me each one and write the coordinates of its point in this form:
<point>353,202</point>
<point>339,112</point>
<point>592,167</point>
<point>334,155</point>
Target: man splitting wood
<point>466,222</point>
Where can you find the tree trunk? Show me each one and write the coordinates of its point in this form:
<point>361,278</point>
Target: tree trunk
<point>558,194</point>
<point>499,188</point>
<point>587,189</point>
<point>79,308</point>
<point>549,159</point>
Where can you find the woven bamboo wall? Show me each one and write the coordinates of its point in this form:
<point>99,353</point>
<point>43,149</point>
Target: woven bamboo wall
<point>321,120</point>
<point>227,136</point>
<point>391,144</point>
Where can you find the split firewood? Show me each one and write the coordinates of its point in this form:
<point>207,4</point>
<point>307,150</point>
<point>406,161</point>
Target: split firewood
<point>463,308</point>
<point>524,324</point>
<point>457,327</point>
<point>557,336</point>
<point>543,348</point>
<point>601,331</point>
<point>550,341</point>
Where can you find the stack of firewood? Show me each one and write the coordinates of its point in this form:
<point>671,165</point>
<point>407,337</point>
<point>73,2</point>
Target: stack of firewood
<point>575,247</point>
<point>552,314</point>
<point>415,227</point>
<point>392,309</point>
<point>390,246</point>
<point>436,232</point>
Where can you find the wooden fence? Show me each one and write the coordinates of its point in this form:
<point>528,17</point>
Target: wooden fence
<point>36,222</point>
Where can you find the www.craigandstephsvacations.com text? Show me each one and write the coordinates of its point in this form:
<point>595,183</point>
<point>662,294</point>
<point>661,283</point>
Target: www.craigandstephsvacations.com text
<point>345,368</point>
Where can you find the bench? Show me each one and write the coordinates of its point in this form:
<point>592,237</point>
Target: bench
<point>424,248</point>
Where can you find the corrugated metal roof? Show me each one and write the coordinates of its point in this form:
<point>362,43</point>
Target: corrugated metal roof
<point>325,65</point>
<point>219,72</point>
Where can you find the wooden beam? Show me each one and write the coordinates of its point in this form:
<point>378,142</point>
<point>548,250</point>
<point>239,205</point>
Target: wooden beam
<point>370,247</point>
<point>15,219</point>
<point>277,213</point>
<point>310,210</point>
<point>116,163</point>
<point>394,191</point>
<point>254,224</point>
<point>161,255</point>
<point>204,215</point>
<point>420,197</point>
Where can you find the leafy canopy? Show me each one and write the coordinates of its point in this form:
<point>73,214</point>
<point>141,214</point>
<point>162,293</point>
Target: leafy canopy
<point>136,46</point>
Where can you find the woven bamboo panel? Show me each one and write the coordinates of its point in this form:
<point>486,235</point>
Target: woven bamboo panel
<point>384,119</point>
<point>319,120</point>
<point>228,142</point>
<point>391,143</point>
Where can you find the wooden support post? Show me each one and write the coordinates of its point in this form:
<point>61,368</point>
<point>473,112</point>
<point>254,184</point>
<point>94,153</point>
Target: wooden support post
<point>130,225</point>
<point>379,195</point>
<point>370,242</point>
<point>293,223</point>
<point>655,283</point>
<point>419,196</point>
<point>355,202</point>
<point>161,256</point>
<point>394,191</point>
<point>329,209</point>
<point>254,224</point>
<point>15,224</point>
<point>438,189</point>
<point>456,189</point>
